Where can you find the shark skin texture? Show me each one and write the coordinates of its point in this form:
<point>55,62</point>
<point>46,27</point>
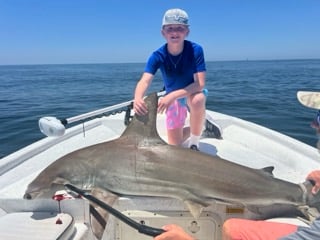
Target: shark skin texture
<point>140,163</point>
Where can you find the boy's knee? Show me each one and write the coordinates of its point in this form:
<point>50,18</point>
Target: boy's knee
<point>197,100</point>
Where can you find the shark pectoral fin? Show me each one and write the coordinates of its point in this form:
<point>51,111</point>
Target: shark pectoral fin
<point>195,208</point>
<point>98,216</point>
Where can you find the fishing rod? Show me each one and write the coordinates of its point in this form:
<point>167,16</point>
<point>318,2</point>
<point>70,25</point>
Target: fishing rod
<point>144,229</point>
<point>54,127</point>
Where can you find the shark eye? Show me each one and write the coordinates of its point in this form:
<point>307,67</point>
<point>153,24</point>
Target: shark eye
<point>27,196</point>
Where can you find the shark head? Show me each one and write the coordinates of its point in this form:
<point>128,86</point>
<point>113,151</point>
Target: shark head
<point>44,187</point>
<point>75,168</point>
<point>49,181</point>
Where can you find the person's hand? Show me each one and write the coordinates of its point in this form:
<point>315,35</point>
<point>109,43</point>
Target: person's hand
<point>314,176</point>
<point>173,232</point>
<point>140,107</point>
<point>164,103</point>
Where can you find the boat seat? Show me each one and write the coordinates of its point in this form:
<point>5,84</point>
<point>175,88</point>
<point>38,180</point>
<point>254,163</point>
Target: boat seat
<point>36,225</point>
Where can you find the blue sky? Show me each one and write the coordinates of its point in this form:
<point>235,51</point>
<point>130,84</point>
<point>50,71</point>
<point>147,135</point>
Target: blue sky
<point>111,31</point>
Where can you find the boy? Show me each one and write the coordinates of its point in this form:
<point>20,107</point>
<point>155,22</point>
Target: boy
<point>183,70</point>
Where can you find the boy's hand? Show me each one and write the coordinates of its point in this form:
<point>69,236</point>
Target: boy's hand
<point>140,107</point>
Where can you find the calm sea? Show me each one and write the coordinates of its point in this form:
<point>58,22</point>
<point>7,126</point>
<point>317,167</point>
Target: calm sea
<point>263,92</point>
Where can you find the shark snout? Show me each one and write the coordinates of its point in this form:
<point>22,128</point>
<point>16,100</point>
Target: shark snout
<point>31,195</point>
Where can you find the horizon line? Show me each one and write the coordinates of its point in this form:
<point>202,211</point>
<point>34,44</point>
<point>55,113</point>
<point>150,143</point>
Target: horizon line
<point>207,61</point>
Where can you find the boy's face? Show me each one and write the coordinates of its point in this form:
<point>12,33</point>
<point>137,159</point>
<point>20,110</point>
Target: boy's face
<point>175,33</point>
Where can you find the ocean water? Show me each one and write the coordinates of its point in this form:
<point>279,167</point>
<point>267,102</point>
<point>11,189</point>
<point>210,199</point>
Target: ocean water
<point>263,92</point>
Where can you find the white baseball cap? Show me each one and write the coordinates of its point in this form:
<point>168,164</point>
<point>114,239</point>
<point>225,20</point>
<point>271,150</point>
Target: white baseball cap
<point>175,16</point>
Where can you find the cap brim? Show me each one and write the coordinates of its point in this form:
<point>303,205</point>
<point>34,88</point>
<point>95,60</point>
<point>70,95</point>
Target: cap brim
<point>309,99</point>
<point>165,24</point>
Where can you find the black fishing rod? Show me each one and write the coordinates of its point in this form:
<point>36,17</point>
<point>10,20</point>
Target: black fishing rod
<point>144,229</point>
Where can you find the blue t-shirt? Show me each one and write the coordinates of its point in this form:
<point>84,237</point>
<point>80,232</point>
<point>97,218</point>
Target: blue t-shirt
<point>177,71</point>
<point>306,233</point>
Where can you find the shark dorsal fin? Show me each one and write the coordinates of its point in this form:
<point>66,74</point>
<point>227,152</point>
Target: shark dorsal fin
<point>145,125</point>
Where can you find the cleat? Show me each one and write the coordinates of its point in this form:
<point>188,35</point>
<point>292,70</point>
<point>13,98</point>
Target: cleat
<point>212,130</point>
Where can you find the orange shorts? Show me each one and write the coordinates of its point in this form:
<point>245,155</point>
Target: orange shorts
<point>243,229</point>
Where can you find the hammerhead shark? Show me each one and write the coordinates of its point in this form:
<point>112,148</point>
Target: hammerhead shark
<point>140,163</point>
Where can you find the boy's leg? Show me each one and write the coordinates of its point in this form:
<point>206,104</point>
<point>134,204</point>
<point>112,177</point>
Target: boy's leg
<point>175,136</point>
<point>175,120</point>
<point>196,104</point>
<point>176,115</point>
<point>243,229</point>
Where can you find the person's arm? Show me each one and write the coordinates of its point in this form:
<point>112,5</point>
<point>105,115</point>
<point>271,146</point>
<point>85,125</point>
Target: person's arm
<point>173,232</point>
<point>314,176</point>
<point>196,86</point>
<point>139,105</point>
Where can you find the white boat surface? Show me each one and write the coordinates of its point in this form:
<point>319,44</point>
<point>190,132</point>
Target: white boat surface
<point>243,142</point>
